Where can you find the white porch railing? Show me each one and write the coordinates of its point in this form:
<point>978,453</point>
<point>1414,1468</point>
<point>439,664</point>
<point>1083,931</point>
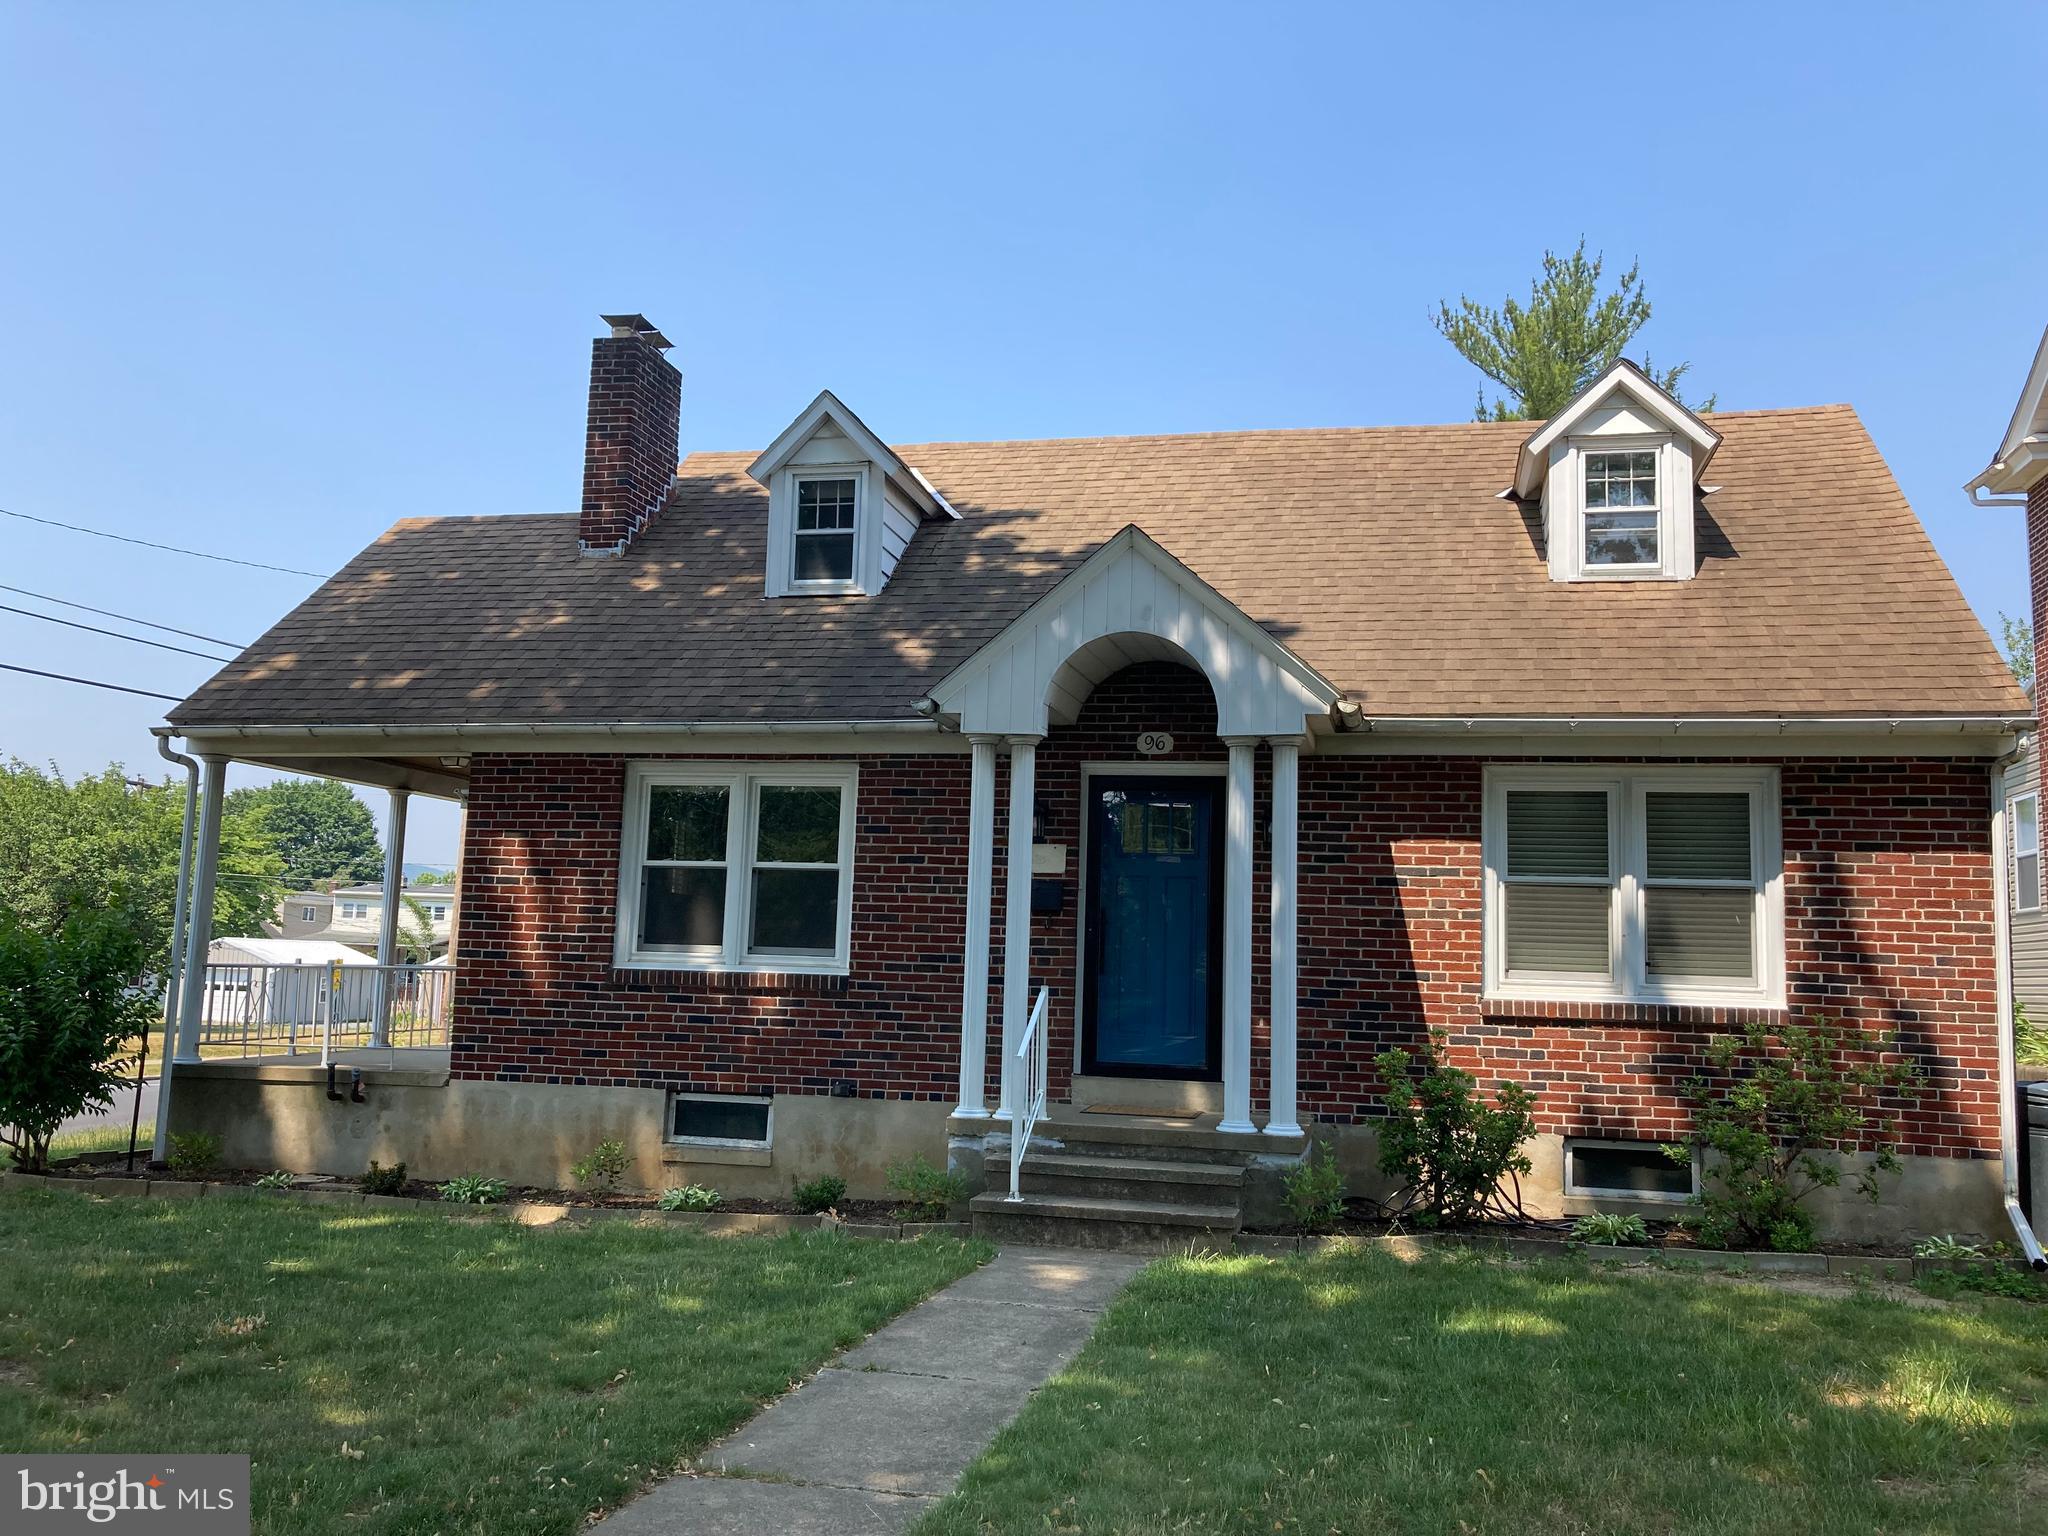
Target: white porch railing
<point>283,1010</point>
<point>1027,1095</point>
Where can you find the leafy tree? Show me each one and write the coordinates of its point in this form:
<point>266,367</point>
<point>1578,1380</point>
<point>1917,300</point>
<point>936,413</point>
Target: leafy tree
<point>1778,1109</point>
<point>2018,635</point>
<point>69,1003</point>
<point>102,844</point>
<point>322,831</point>
<point>433,877</point>
<point>1545,352</point>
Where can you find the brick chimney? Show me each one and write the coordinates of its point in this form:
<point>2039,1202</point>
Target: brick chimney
<point>629,452</point>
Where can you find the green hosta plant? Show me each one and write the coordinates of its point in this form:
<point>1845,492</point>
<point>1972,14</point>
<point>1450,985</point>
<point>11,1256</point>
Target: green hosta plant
<point>604,1169</point>
<point>1450,1151</point>
<point>1313,1192</point>
<point>474,1189</point>
<point>691,1197</point>
<point>1947,1247</point>
<point>820,1194</point>
<point>929,1193</point>
<point>278,1180</point>
<point>1610,1229</point>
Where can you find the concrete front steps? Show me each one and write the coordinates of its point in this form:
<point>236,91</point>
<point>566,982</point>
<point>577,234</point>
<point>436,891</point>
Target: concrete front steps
<point>1134,1183</point>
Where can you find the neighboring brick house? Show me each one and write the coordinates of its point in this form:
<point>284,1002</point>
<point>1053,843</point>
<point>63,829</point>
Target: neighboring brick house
<point>804,788</point>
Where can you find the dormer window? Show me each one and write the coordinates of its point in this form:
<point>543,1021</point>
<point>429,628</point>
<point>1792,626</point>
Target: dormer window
<point>1621,509</point>
<point>827,518</point>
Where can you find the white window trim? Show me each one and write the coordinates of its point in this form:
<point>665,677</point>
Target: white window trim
<point>744,781</point>
<point>1565,508</point>
<point>782,534</point>
<point>1599,1192</point>
<point>1587,510</point>
<point>1627,981</point>
<point>738,1143</point>
<point>309,914</point>
<point>2013,820</point>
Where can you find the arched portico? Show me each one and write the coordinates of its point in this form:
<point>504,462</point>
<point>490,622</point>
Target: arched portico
<point>1133,601</point>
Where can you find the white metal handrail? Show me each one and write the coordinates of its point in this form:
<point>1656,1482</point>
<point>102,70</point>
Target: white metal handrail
<point>1027,1096</point>
<point>272,1010</point>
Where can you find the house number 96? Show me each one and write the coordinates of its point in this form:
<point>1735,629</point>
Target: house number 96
<point>1154,743</point>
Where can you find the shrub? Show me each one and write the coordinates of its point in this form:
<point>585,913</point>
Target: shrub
<point>194,1154</point>
<point>819,1194</point>
<point>474,1189</point>
<point>1314,1192</point>
<point>1947,1247</point>
<point>68,1007</point>
<point>1449,1149</point>
<point>277,1180</point>
<point>691,1197</point>
<point>2029,1040</point>
<point>603,1169</point>
<point>929,1193</point>
<point>383,1181</point>
<point>1986,1279</point>
<point>1778,1107</point>
<point>1609,1229</point>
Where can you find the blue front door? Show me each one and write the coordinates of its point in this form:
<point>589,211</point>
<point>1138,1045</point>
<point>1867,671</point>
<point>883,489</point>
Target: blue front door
<point>1153,982</point>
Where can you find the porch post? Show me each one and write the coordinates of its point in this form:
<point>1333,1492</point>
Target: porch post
<point>387,929</point>
<point>981,863</point>
<point>192,996</point>
<point>1017,914</point>
<point>1280,1095</point>
<point>1237,939</point>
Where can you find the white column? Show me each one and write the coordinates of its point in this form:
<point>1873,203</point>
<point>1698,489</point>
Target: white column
<point>192,999</point>
<point>1280,1106</point>
<point>981,864</point>
<point>387,929</point>
<point>1237,939</point>
<point>1017,914</point>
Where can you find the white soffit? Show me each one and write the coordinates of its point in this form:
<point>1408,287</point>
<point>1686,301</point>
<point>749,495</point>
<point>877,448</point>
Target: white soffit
<point>2023,452</point>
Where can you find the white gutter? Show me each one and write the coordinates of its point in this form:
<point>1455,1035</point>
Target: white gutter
<point>545,728</point>
<point>1672,725</point>
<point>2009,1131</point>
<point>161,1149</point>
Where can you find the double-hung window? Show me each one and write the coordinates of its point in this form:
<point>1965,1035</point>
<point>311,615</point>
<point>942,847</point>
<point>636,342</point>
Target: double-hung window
<point>1621,508</point>
<point>2026,853</point>
<point>1654,884</point>
<point>827,518</point>
<point>737,867</point>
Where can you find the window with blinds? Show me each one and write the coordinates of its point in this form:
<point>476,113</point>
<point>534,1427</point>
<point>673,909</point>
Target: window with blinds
<point>2026,853</point>
<point>1656,884</point>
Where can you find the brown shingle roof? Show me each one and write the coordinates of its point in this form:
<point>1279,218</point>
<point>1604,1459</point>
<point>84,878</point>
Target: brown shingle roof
<point>1381,556</point>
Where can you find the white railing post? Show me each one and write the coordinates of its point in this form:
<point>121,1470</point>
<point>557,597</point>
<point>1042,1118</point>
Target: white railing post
<point>1026,1068</point>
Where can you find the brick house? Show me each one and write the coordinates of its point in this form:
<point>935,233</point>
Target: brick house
<point>845,801</point>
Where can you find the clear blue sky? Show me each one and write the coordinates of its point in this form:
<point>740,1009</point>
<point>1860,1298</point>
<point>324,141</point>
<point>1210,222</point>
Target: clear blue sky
<point>274,276</point>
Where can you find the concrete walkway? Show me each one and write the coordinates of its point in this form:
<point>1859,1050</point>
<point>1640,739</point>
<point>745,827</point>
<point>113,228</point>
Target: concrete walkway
<point>878,1436</point>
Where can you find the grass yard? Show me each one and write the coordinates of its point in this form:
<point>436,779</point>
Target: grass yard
<point>395,1373</point>
<point>1356,1394</point>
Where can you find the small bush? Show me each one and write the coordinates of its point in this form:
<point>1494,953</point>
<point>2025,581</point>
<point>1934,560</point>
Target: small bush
<point>1986,1279</point>
<point>2029,1040</point>
<point>1609,1229</point>
<point>929,1194</point>
<point>1314,1192</point>
<point>194,1154</point>
<point>691,1197</point>
<point>1449,1149</point>
<point>474,1189</point>
<point>383,1181</point>
<point>1777,1111</point>
<point>1947,1247</point>
<point>277,1180</point>
<point>819,1194</point>
<point>604,1169</point>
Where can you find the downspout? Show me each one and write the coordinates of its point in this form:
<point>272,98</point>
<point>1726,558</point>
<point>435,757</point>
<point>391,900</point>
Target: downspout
<point>178,917</point>
<point>2008,1070</point>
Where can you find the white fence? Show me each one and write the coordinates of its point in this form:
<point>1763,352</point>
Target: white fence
<point>282,1010</point>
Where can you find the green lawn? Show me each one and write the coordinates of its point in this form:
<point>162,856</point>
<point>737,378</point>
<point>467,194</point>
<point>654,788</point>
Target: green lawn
<point>1357,1394</point>
<point>408,1373</point>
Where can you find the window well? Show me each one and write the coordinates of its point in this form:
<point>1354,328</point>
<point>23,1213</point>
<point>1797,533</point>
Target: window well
<point>709,1117</point>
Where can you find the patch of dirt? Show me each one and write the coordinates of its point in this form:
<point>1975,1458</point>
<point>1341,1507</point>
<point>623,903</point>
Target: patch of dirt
<point>14,1373</point>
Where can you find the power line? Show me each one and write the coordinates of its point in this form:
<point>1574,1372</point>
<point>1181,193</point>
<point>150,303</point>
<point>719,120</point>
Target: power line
<point>125,618</point>
<point>51,618</point>
<point>196,554</point>
<point>8,666</point>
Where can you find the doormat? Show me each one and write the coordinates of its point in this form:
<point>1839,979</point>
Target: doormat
<point>1142,1112</point>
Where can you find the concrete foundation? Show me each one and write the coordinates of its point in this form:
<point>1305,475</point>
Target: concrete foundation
<point>278,1115</point>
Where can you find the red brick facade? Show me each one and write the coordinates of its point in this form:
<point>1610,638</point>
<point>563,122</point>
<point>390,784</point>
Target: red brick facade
<point>1887,903</point>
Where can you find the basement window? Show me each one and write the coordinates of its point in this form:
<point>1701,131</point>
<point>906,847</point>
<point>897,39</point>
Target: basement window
<point>720,1120</point>
<point>1627,1170</point>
